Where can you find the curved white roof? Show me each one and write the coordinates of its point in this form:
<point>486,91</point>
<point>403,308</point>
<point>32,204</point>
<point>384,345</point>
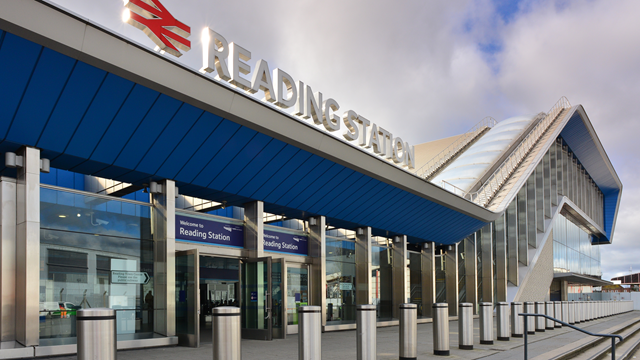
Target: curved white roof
<point>474,162</point>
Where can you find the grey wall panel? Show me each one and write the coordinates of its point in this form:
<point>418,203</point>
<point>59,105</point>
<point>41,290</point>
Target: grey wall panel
<point>553,166</point>
<point>512,243</point>
<point>523,244</point>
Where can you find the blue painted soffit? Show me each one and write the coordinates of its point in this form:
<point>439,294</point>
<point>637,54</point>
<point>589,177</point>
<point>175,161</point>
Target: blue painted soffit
<point>92,122</point>
<point>580,136</point>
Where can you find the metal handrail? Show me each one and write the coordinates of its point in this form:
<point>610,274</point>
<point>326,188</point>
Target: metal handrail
<point>497,179</point>
<point>442,157</point>
<point>612,336</point>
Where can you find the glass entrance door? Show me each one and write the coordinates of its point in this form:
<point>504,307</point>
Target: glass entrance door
<point>256,299</point>
<point>297,293</point>
<point>187,299</point>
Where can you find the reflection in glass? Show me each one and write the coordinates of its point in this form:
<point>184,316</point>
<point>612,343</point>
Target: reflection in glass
<point>297,292</point>
<point>83,240</point>
<point>382,280</point>
<point>341,278</point>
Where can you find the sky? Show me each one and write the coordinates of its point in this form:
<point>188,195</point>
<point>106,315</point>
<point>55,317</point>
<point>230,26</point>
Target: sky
<point>426,70</point>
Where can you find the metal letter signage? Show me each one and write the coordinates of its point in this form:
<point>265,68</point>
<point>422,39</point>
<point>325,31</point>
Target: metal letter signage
<point>153,18</point>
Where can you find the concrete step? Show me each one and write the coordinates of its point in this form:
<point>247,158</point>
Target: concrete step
<point>573,349</point>
<point>603,349</point>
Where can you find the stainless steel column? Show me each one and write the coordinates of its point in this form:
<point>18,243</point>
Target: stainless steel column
<point>27,285</point>
<point>254,229</point>
<point>400,272</point>
<point>529,308</point>
<point>549,310</point>
<point>471,271</point>
<point>428,278</point>
<point>572,312</point>
<point>363,266</point>
<point>502,317</point>
<point>226,336</point>
<point>565,311</point>
<point>309,331</point>
<point>517,321</point>
<point>8,259</point>
<point>408,316</point>
<point>96,334</point>
<point>440,329</point>
<point>486,244</point>
<point>366,332</point>
<point>486,323</point>
<point>164,250</point>
<point>557,313</point>
<point>451,278</point>
<point>465,326</point>
<point>539,320</point>
<point>318,272</point>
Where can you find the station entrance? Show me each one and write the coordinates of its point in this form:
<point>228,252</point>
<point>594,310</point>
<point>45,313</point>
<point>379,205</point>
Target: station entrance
<point>268,300</point>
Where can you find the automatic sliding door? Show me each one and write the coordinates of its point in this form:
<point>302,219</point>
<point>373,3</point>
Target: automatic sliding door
<point>256,299</point>
<point>187,299</point>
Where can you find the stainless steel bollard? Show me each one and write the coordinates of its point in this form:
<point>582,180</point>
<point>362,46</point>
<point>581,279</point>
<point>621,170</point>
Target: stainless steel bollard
<point>565,311</point>
<point>517,321</point>
<point>583,317</point>
<point>539,320</point>
<point>502,317</point>
<point>465,326</point>
<point>440,313</point>
<point>557,313</point>
<point>96,334</point>
<point>309,333</point>
<point>549,311</point>
<point>408,332</point>
<point>226,333</point>
<point>366,332</point>
<point>529,308</point>
<point>576,312</point>
<point>486,323</point>
<point>572,312</point>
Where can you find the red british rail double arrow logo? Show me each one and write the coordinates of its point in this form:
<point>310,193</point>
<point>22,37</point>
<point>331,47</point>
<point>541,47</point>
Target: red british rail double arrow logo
<point>156,21</point>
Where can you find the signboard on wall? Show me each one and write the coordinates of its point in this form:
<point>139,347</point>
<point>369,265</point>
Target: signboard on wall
<point>209,231</point>
<point>285,242</point>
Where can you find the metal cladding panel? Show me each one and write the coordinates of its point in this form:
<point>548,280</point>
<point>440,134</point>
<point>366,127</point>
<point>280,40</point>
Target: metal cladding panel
<point>47,81</point>
<point>272,166</point>
<point>93,122</point>
<point>304,183</point>
<point>191,142</point>
<point>126,121</point>
<point>171,136</point>
<point>610,207</point>
<point>103,109</point>
<point>18,58</point>
<point>83,84</point>
<point>254,161</point>
<point>147,132</point>
<point>338,175</point>
<point>240,161</point>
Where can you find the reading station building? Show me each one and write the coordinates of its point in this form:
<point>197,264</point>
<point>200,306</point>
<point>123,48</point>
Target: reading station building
<point>133,182</point>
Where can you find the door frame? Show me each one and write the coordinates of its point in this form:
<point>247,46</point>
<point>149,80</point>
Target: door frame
<point>192,340</point>
<point>257,334</point>
<point>293,329</point>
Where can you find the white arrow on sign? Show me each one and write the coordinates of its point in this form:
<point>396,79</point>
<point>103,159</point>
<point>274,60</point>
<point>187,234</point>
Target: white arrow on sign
<point>129,277</point>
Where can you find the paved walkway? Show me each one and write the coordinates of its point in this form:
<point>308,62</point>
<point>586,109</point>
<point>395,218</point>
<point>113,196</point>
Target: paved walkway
<point>342,345</point>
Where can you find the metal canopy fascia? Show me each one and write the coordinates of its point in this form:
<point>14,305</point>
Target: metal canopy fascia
<point>574,278</point>
<point>259,130</point>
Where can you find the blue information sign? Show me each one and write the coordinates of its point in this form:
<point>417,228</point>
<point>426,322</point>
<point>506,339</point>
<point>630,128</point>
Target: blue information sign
<point>209,231</point>
<point>254,296</point>
<point>284,242</point>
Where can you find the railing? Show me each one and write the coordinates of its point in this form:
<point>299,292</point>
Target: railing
<point>428,169</point>
<point>526,347</point>
<point>486,192</point>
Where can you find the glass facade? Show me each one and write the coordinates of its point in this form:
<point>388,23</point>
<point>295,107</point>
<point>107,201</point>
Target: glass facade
<point>85,241</point>
<point>382,277</point>
<point>572,249</point>
<point>341,280</point>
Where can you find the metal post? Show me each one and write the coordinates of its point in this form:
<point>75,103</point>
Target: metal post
<point>408,332</point>
<point>529,308</point>
<point>613,348</point>
<point>502,314</point>
<point>440,329</point>
<point>96,334</point>
<point>557,312</point>
<point>540,323</point>
<point>576,312</point>
<point>465,326</point>
<point>549,306</point>
<point>486,323</point>
<point>517,321</point>
<point>565,311</point>
<point>572,312</point>
<point>225,329</point>
<point>309,331</point>
<point>526,339</point>
<point>366,332</point>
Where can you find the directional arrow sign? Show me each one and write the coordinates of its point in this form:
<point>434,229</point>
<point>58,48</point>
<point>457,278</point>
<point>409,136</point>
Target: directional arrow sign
<point>129,277</point>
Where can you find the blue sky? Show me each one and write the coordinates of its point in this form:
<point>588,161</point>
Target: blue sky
<point>431,69</point>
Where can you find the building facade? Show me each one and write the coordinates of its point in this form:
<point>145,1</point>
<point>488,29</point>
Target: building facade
<point>135,183</point>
